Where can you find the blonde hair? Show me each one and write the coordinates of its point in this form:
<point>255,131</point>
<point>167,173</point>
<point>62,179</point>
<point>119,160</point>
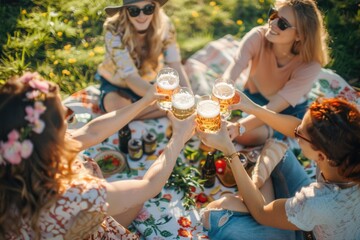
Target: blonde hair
<point>310,27</point>
<point>33,185</point>
<point>119,24</point>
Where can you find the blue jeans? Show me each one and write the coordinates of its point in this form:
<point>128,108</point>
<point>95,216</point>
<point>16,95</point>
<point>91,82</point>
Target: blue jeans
<point>106,87</point>
<point>288,177</point>
<point>297,111</point>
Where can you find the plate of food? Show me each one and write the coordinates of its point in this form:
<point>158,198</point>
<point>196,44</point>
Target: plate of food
<point>111,162</point>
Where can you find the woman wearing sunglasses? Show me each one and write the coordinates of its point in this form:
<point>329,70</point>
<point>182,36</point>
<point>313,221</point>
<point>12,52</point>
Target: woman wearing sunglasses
<point>329,134</point>
<point>139,40</point>
<point>284,56</point>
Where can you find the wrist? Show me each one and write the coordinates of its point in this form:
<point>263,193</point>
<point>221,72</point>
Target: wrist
<point>241,128</point>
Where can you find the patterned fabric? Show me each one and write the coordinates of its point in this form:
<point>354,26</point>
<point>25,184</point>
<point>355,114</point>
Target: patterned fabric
<point>164,217</point>
<point>118,64</point>
<point>330,212</point>
<point>79,213</point>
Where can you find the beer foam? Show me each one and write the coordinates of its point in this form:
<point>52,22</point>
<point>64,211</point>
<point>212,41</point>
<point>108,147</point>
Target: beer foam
<point>183,100</point>
<point>208,108</point>
<point>168,81</point>
<point>223,90</point>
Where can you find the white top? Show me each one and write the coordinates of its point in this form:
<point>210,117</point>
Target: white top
<point>330,212</point>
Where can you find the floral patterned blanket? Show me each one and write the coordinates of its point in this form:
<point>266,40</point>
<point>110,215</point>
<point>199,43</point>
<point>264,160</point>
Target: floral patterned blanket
<point>164,216</point>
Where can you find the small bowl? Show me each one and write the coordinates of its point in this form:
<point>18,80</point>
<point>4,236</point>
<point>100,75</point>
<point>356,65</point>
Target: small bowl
<point>111,162</point>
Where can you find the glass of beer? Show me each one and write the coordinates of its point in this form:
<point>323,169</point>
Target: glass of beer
<point>183,103</point>
<point>224,91</point>
<point>167,82</point>
<point>208,115</point>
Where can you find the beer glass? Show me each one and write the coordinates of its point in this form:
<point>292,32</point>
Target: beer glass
<point>167,82</point>
<point>183,103</point>
<point>208,115</point>
<point>224,91</point>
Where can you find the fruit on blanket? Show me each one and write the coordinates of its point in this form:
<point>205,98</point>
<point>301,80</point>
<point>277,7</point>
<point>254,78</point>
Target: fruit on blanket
<point>220,165</point>
<point>202,198</point>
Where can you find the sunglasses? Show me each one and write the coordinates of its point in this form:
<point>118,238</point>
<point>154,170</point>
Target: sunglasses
<point>282,23</point>
<point>298,135</point>
<point>135,11</point>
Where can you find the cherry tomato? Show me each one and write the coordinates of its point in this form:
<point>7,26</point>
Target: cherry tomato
<point>192,189</point>
<point>202,198</point>
<point>220,165</point>
<point>115,162</point>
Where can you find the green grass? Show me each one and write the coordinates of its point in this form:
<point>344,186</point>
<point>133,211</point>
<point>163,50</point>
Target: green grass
<point>63,39</point>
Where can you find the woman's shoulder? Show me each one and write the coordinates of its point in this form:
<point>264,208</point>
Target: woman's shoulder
<point>88,187</point>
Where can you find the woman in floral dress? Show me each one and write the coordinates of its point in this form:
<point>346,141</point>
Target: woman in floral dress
<point>45,193</point>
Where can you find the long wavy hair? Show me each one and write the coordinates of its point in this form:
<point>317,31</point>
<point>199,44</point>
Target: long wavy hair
<point>335,130</point>
<point>119,24</point>
<point>28,188</point>
<point>312,45</point>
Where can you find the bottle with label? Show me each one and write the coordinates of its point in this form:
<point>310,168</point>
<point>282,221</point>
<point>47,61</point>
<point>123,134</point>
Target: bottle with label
<point>135,149</point>
<point>149,142</point>
<point>209,171</point>
<point>124,138</point>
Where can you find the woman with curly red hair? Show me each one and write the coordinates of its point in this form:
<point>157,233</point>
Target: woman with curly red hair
<point>329,134</point>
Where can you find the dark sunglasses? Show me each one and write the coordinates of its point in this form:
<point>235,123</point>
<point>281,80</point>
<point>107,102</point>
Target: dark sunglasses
<point>298,135</point>
<point>134,11</point>
<point>282,23</point>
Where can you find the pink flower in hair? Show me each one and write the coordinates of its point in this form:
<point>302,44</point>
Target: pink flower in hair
<point>26,148</point>
<point>12,152</point>
<point>42,86</point>
<point>32,94</point>
<point>28,76</point>
<point>39,126</point>
<point>13,136</point>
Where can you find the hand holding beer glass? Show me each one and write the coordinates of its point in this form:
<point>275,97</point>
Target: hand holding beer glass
<point>183,103</point>
<point>224,91</point>
<point>167,82</point>
<point>208,115</point>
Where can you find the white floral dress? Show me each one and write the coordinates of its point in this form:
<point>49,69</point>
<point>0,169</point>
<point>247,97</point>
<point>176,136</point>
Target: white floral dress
<point>80,213</point>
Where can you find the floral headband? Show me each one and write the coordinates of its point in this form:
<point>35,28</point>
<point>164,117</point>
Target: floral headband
<point>18,146</point>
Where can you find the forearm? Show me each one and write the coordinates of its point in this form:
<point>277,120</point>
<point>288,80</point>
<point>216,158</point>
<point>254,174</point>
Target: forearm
<point>104,126</point>
<point>137,84</point>
<point>280,122</point>
<point>161,169</point>
<point>251,195</point>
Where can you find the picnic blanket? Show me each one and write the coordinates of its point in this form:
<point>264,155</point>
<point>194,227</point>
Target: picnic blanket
<point>164,217</point>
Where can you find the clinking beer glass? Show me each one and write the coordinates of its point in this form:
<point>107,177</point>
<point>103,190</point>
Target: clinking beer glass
<point>208,115</point>
<point>167,82</point>
<point>224,91</point>
<point>183,103</point>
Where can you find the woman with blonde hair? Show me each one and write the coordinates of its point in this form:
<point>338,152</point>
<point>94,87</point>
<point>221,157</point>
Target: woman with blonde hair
<point>44,191</point>
<point>139,40</point>
<point>284,58</point>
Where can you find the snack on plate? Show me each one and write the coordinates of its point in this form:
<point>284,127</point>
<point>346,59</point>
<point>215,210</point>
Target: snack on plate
<point>111,162</point>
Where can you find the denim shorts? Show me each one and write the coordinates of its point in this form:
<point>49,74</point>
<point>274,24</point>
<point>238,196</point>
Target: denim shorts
<point>106,87</point>
<point>288,177</point>
<point>297,111</point>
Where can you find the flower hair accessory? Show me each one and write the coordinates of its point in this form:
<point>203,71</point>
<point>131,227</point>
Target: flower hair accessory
<point>18,146</point>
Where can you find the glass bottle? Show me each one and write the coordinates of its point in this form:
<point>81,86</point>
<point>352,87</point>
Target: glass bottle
<point>124,138</point>
<point>209,171</point>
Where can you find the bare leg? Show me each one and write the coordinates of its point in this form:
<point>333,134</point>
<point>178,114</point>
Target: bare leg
<point>235,202</point>
<point>255,137</point>
<point>114,101</point>
<point>127,217</point>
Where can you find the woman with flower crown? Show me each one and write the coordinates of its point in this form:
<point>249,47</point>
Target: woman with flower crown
<point>139,40</point>
<point>44,194</point>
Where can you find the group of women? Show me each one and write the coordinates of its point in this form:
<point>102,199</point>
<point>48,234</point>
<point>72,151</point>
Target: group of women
<point>47,193</point>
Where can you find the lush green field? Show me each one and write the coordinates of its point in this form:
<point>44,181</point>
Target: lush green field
<point>63,39</point>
